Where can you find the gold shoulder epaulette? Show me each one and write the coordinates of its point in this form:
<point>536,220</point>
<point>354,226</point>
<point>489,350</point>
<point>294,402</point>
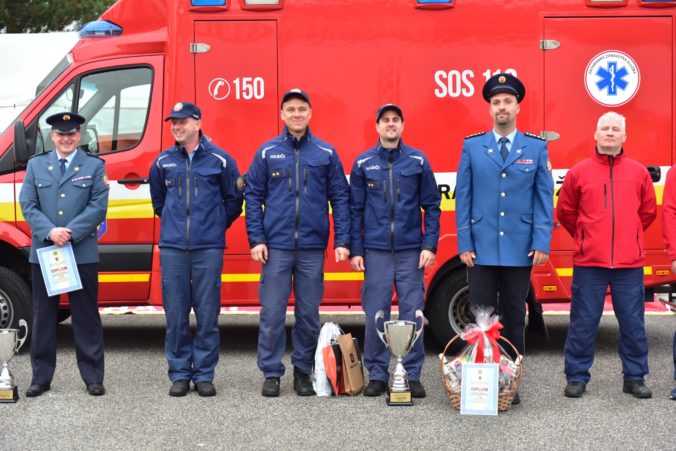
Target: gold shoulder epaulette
<point>475,134</point>
<point>534,136</point>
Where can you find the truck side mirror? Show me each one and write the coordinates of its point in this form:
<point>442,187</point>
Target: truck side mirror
<point>655,173</point>
<point>20,145</point>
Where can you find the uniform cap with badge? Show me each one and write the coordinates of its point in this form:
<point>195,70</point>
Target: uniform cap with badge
<point>504,82</point>
<point>389,107</point>
<point>184,110</point>
<point>65,123</point>
<point>296,94</point>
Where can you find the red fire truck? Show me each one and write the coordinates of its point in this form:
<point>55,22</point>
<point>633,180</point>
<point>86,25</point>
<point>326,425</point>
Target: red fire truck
<point>577,58</point>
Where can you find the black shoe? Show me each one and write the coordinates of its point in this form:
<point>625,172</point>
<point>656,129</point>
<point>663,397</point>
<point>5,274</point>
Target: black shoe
<point>205,388</point>
<point>36,390</point>
<point>637,389</point>
<point>673,393</point>
<point>302,384</point>
<point>179,388</point>
<point>574,389</point>
<point>96,389</point>
<point>417,389</point>
<point>375,388</point>
<point>516,400</point>
<point>271,387</point>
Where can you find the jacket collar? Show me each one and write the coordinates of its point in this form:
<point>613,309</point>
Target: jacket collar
<point>606,159</point>
<point>492,149</point>
<point>286,136</point>
<point>385,152</point>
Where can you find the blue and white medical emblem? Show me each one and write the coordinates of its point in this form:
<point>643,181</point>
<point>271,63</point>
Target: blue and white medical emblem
<point>612,78</point>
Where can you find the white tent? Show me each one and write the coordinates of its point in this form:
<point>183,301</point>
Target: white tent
<point>25,60</point>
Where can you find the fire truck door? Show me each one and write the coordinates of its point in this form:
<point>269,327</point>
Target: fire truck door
<point>236,88</point>
<point>621,64</point>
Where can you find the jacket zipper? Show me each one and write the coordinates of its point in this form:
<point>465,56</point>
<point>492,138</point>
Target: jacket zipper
<point>398,191</point>
<point>605,195</point>
<point>187,202</point>
<point>582,243</point>
<point>389,170</point>
<point>305,180</point>
<point>195,180</point>
<point>612,209</point>
<point>297,154</point>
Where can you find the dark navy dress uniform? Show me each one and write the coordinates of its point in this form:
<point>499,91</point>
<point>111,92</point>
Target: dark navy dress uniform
<point>503,212</point>
<point>389,190</point>
<point>78,200</point>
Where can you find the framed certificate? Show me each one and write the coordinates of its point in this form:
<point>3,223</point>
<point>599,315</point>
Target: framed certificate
<point>59,269</point>
<point>479,389</point>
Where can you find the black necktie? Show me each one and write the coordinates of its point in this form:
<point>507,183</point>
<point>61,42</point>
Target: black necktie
<point>503,148</point>
<point>63,165</point>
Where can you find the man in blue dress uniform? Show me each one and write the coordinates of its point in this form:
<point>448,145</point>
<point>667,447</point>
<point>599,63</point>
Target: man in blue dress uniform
<point>64,198</point>
<point>390,185</point>
<point>504,206</point>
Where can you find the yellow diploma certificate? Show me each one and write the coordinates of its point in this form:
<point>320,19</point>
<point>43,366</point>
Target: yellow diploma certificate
<point>59,269</point>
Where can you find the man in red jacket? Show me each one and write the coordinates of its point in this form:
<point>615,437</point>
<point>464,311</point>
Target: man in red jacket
<point>669,231</point>
<point>605,203</point>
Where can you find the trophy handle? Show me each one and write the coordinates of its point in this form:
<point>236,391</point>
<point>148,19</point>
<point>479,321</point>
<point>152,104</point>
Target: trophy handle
<point>22,324</point>
<point>418,332</point>
<point>380,315</point>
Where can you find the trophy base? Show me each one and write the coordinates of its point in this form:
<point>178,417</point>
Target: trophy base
<point>9,395</point>
<point>399,398</point>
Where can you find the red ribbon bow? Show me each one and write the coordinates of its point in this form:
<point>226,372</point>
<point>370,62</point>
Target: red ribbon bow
<point>476,335</point>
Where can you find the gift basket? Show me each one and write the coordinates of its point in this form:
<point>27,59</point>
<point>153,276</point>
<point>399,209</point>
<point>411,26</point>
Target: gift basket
<point>482,338</point>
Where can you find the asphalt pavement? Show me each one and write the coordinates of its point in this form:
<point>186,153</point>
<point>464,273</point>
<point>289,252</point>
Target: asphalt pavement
<point>137,413</point>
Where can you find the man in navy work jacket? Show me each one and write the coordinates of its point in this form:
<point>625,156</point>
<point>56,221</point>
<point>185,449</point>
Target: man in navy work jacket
<point>289,185</point>
<point>504,205</point>
<point>389,185</point>
<point>196,190</point>
<point>64,198</point>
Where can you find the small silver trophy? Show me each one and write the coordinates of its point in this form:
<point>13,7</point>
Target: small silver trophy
<point>10,343</point>
<point>399,336</point>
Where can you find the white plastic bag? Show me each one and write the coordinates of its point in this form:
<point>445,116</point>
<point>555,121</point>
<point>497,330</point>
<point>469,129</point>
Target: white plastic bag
<point>320,383</point>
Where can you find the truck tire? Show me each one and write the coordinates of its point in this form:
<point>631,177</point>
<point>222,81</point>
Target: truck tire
<point>15,300</point>
<point>448,308</point>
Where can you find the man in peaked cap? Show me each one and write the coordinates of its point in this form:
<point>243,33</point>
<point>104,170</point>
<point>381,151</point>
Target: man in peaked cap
<point>504,205</point>
<point>64,198</point>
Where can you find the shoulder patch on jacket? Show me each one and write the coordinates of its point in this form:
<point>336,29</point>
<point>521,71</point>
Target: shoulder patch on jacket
<point>474,135</point>
<point>534,136</point>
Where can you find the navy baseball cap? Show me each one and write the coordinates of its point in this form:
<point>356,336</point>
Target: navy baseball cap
<point>184,110</point>
<point>65,122</point>
<point>296,94</point>
<point>504,83</point>
<point>389,107</point>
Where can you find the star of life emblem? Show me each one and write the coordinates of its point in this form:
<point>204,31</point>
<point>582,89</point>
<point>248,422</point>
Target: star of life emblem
<point>612,78</point>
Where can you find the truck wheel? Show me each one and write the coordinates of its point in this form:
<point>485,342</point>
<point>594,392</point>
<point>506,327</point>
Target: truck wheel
<point>448,309</point>
<point>15,300</point>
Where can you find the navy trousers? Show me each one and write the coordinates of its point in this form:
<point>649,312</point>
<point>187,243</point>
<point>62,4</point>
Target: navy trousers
<point>504,288</point>
<point>386,271</point>
<point>304,270</point>
<point>589,293</point>
<point>191,280</point>
<point>87,329</point>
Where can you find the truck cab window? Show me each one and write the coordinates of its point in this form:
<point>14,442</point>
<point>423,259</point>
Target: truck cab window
<point>115,104</point>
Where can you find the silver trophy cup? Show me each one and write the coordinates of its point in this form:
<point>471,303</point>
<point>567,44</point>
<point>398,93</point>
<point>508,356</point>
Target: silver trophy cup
<point>10,343</point>
<point>399,336</point>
